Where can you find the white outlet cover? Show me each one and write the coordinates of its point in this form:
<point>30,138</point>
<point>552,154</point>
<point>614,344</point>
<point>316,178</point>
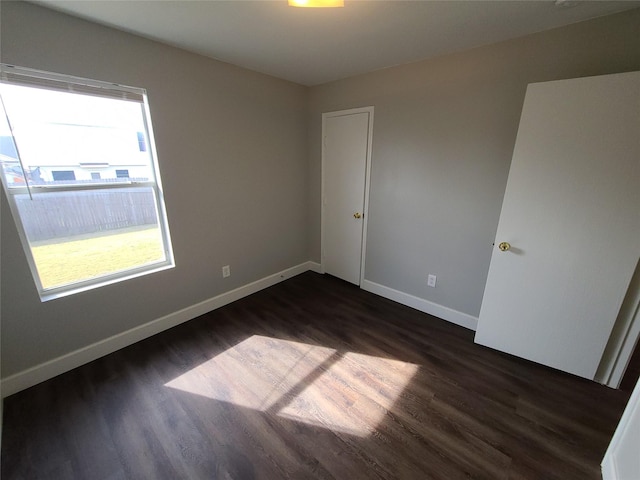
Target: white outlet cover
<point>431,280</point>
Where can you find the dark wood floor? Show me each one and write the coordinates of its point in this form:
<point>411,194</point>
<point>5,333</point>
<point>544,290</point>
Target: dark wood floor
<point>312,378</point>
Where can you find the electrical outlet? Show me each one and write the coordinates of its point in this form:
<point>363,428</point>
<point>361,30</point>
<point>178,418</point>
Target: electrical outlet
<point>226,271</point>
<point>431,280</point>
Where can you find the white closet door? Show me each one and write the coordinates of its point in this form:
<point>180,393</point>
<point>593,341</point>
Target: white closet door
<point>345,154</point>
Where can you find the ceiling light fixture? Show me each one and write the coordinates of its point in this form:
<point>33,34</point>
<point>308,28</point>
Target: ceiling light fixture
<point>316,3</point>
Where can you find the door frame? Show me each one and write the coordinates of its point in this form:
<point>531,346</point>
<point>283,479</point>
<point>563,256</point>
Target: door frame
<point>367,177</point>
<point>622,437</point>
<point>624,339</point>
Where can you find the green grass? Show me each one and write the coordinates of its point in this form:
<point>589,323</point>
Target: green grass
<point>73,259</point>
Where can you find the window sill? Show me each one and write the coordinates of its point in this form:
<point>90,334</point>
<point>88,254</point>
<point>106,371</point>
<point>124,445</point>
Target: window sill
<point>61,292</point>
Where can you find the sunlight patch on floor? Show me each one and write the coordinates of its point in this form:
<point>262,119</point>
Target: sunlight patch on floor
<point>347,392</point>
<point>255,373</point>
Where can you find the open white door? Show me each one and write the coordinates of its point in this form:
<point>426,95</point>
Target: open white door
<point>571,215</point>
<point>345,160</point>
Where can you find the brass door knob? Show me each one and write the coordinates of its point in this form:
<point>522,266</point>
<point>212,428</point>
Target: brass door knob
<point>504,246</point>
<point>357,215</point>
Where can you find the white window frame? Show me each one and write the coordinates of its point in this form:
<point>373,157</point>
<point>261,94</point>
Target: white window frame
<point>53,81</point>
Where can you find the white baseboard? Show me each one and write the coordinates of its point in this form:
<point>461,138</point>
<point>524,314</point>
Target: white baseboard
<point>315,267</point>
<point>45,371</point>
<point>445,313</point>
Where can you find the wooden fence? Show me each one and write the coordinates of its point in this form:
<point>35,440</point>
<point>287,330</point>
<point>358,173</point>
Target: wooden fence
<point>65,214</point>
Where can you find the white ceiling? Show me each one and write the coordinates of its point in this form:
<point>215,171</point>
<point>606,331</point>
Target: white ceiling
<point>314,46</point>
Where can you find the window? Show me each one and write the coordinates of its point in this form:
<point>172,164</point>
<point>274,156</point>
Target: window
<point>60,175</point>
<point>142,142</point>
<point>80,228</point>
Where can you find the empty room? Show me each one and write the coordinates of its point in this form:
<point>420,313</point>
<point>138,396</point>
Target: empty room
<point>344,240</point>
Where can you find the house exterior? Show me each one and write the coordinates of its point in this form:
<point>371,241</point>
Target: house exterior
<point>123,155</point>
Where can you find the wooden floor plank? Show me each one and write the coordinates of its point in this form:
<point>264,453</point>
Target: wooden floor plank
<point>310,379</point>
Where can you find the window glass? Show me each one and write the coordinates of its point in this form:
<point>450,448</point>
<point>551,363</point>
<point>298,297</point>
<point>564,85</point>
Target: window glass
<point>142,142</point>
<point>82,227</point>
<point>63,175</point>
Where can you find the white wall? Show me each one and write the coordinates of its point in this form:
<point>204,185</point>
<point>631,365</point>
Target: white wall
<point>442,143</point>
